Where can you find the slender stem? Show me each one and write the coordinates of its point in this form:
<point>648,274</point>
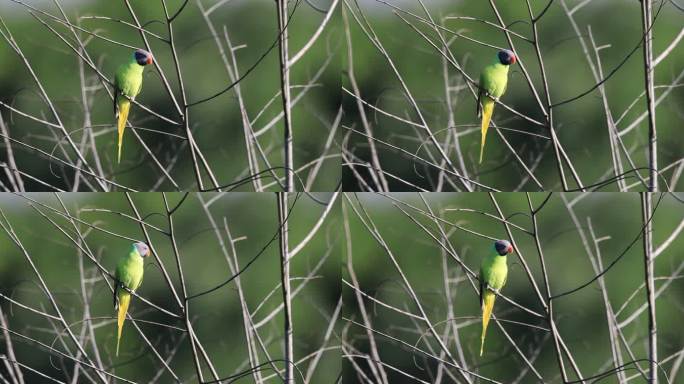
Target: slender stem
<point>285,280</point>
<point>194,151</point>
<point>375,159</point>
<point>374,364</point>
<point>14,369</point>
<point>233,74</point>
<point>186,313</point>
<point>650,95</point>
<point>549,116</point>
<point>547,290</point>
<point>285,93</point>
<point>234,268</point>
<point>646,211</point>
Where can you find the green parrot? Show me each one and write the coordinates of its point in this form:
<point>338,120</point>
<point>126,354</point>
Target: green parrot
<point>128,82</point>
<point>493,81</point>
<point>493,274</point>
<point>129,274</point>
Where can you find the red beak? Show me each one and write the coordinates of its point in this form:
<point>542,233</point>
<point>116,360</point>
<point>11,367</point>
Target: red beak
<point>510,247</point>
<point>513,59</point>
<point>149,60</point>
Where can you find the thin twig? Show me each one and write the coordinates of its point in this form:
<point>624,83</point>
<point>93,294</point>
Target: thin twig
<point>285,282</point>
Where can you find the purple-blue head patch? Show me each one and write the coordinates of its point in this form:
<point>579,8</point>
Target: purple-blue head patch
<point>503,247</point>
<point>507,57</point>
<point>142,57</point>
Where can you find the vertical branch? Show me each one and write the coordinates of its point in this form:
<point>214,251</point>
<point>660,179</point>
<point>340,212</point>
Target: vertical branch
<point>285,280</point>
<point>375,362</point>
<point>11,364</point>
<point>13,174</point>
<point>646,212</point>
<point>328,333</point>
<point>194,340</point>
<point>194,150</point>
<point>184,308</point>
<point>451,117</point>
<point>650,95</point>
<point>558,340</point>
<point>548,115</point>
<point>234,269</point>
<point>285,92</point>
<point>614,331</point>
<point>547,289</point>
<point>375,159</point>
<point>233,74</point>
<point>87,295</point>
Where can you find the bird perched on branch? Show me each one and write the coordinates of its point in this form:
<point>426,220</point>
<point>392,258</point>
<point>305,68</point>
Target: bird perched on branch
<point>493,274</point>
<point>493,81</point>
<point>127,85</point>
<point>128,275</point>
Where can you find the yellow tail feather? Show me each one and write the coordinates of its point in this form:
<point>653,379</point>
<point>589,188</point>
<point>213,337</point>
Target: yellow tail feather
<point>487,109</point>
<point>124,107</point>
<point>487,306</point>
<point>124,300</point>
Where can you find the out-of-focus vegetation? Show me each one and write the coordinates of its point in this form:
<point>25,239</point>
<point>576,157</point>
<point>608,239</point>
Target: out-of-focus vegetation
<point>249,220</point>
<point>582,125</point>
<point>217,125</point>
<point>609,222</point>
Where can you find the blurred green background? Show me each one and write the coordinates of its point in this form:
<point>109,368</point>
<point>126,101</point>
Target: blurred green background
<point>580,317</point>
<point>217,124</point>
<point>216,317</point>
<point>581,125</point>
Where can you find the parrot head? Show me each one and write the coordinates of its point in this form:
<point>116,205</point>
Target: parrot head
<point>507,57</point>
<point>142,57</point>
<point>142,248</point>
<point>503,247</point>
